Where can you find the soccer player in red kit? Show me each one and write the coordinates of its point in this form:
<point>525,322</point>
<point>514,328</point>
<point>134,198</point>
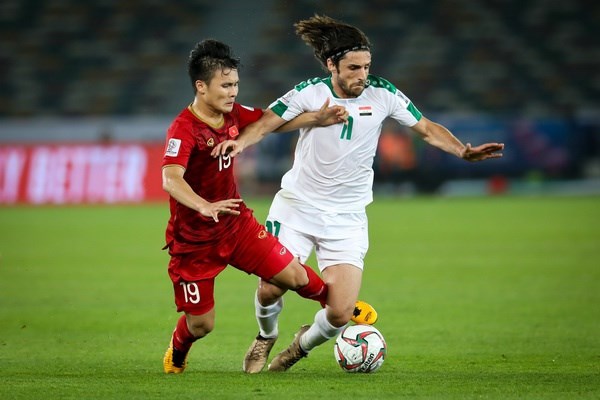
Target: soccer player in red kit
<point>210,226</point>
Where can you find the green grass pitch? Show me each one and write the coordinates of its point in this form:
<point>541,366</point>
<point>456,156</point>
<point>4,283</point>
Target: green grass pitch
<point>482,298</point>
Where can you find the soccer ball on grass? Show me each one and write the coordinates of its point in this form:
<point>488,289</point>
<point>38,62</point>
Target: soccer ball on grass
<point>360,348</point>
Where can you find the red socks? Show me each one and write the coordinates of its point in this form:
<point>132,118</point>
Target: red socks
<point>316,289</point>
<point>182,338</point>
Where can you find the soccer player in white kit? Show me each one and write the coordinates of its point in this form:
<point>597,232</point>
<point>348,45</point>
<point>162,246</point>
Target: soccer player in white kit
<point>322,201</point>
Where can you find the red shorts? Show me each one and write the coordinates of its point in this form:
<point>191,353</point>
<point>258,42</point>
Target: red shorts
<point>249,248</point>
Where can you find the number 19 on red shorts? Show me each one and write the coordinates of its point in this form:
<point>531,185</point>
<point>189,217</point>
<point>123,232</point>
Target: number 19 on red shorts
<point>196,297</point>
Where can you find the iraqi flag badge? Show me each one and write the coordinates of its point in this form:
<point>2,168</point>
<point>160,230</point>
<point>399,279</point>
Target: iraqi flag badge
<point>365,111</point>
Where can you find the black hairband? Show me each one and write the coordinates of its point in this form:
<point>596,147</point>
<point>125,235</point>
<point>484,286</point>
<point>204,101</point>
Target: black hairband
<point>338,53</point>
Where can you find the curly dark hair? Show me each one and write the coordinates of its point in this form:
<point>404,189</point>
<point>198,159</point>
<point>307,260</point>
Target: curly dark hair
<point>330,38</point>
<point>207,57</point>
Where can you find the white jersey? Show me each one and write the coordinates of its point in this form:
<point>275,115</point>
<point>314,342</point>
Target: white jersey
<point>333,165</point>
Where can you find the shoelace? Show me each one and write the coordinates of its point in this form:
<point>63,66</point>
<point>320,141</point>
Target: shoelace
<point>259,349</point>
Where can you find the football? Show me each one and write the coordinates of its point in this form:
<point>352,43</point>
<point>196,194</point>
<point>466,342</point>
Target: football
<point>360,348</point>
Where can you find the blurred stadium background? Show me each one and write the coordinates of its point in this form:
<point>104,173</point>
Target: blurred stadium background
<point>89,88</point>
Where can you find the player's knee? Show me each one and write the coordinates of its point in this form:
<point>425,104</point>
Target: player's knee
<point>339,316</point>
<point>268,293</point>
<point>300,277</point>
<point>293,277</point>
<point>296,283</point>
<point>201,328</point>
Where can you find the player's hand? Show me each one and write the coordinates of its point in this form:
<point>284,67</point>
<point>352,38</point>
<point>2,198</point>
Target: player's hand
<point>331,115</point>
<point>482,152</point>
<point>227,147</point>
<point>212,210</point>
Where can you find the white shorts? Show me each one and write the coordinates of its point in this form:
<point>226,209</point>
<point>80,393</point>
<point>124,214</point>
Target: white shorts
<point>336,238</point>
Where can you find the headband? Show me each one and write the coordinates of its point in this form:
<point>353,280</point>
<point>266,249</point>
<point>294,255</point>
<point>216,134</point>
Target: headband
<point>340,52</point>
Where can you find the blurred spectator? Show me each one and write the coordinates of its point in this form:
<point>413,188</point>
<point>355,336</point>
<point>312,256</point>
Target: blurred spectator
<point>396,158</point>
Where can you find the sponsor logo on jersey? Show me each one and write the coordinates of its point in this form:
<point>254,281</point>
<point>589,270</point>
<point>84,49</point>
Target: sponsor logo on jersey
<point>233,132</point>
<point>210,142</point>
<point>365,111</point>
<point>288,96</point>
<point>262,234</point>
<point>173,147</point>
<point>403,97</point>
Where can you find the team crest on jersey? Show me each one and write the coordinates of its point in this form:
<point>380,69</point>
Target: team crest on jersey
<point>262,234</point>
<point>173,147</point>
<point>233,132</point>
<point>365,111</point>
<point>210,142</point>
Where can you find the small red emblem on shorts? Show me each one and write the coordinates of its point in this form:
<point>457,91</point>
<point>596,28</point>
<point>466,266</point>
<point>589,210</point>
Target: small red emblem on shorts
<point>233,132</point>
<point>262,234</point>
<point>282,251</point>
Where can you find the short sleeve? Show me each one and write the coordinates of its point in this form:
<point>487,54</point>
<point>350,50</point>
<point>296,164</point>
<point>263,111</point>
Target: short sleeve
<point>179,144</point>
<point>247,115</point>
<point>403,110</point>
<point>288,106</point>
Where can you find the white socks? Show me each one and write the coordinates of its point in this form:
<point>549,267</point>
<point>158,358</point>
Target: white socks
<point>267,318</point>
<point>319,332</point>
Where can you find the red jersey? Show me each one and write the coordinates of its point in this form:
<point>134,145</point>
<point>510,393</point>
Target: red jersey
<point>189,144</point>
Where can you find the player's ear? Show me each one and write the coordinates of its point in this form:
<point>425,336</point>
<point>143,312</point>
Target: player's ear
<point>330,65</point>
<point>201,86</point>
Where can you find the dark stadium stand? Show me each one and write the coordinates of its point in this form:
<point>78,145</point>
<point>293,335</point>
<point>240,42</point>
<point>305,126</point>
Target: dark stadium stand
<point>71,58</point>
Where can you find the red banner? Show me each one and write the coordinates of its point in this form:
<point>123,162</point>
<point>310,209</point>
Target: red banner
<point>80,173</point>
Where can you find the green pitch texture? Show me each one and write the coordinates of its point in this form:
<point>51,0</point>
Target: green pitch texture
<point>487,298</point>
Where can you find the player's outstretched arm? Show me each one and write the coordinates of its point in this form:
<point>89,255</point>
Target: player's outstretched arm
<point>439,136</point>
<point>271,122</point>
<point>174,184</point>
<point>251,134</point>
<point>325,116</point>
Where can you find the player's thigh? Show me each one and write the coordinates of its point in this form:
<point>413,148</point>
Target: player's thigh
<point>343,282</point>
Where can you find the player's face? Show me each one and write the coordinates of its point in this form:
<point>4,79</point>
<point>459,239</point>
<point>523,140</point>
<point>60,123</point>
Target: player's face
<point>222,90</point>
<point>350,77</point>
